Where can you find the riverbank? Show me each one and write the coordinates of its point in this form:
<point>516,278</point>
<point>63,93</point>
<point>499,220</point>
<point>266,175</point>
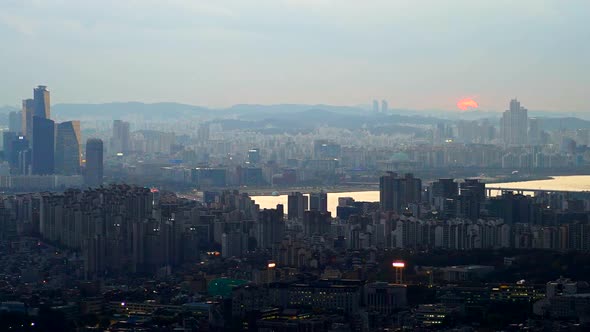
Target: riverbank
<point>575,183</point>
<point>519,179</point>
<point>374,187</point>
<point>307,190</point>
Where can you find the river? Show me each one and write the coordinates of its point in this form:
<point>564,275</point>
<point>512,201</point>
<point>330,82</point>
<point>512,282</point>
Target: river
<point>566,183</point>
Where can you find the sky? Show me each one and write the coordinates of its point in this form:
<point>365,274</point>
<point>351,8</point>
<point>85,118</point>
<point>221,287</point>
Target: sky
<point>417,54</point>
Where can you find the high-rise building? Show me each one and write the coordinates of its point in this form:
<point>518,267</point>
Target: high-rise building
<point>254,156</point>
<point>445,188</point>
<point>24,161</point>
<point>28,110</point>
<point>535,131</point>
<point>270,227</point>
<point>203,133</point>
<point>385,298</point>
<point>476,188</point>
<point>94,162</point>
<point>68,148</point>
<point>318,202</point>
<point>14,122</point>
<point>234,243</point>
<point>316,223</point>
<point>384,106</point>
<point>43,147</point>
<point>326,149</point>
<point>395,193</point>
<point>121,140</point>
<point>297,203</point>
<point>375,106</point>
<point>514,124</point>
<point>7,138</point>
<point>17,146</point>
<point>41,102</point>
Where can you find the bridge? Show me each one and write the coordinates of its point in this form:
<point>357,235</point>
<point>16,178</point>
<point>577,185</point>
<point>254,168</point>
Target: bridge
<point>534,192</point>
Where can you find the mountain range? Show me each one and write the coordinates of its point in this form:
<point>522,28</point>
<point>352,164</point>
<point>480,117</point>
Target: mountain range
<point>286,115</point>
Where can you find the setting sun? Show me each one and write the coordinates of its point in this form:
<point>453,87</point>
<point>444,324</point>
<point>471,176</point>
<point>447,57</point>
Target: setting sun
<point>466,103</point>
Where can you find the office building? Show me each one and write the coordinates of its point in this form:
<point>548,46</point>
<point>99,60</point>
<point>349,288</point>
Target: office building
<point>18,146</point>
<point>68,148</point>
<point>41,102</point>
<point>13,146</point>
<point>209,177</point>
<point>384,106</point>
<point>375,106</point>
<point>15,122</point>
<point>43,147</point>
<point>326,149</point>
<point>318,202</point>
<point>385,298</point>
<point>395,193</point>
<point>7,138</point>
<point>254,156</point>
<point>250,176</point>
<point>297,203</point>
<point>24,161</point>
<point>28,109</point>
<point>94,162</point>
<point>445,188</point>
<point>475,188</point>
<point>331,295</point>
<point>514,124</point>
<point>121,139</point>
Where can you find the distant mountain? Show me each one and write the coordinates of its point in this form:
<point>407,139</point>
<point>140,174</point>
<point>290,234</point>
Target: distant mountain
<point>126,110</point>
<point>301,116</point>
<point>568,123</point>
<point>292,108</point>
<point>311,119</point>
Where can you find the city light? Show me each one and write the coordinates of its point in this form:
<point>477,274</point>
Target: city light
<point>272,265</point>
<point>398,264</point>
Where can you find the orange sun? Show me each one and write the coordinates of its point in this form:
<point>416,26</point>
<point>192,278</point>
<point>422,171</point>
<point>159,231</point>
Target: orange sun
<point>466,103</point>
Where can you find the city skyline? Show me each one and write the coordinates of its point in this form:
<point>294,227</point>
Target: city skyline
<point>315,52</point>
<point>294,165</point>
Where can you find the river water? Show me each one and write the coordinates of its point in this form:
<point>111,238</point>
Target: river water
<point>567,183</point>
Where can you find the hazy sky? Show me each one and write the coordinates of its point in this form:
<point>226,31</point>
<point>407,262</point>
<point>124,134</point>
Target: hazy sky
<point>416,54</point>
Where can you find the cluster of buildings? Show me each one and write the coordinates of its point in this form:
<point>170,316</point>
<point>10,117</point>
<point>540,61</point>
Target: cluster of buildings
<point>140,256</point>
<point>43,154</point>
<point>212,156</point>
<point>129,229</point>
<point>224,263</point>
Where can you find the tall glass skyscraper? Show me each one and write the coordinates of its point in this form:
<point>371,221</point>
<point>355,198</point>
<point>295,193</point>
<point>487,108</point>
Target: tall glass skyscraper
<point>67,148</point>
<point>94,162</point>
<point>27,113</point>
<point>41,98</point>
<point>43,158</point>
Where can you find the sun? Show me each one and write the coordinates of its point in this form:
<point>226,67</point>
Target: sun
<point>467,103</point>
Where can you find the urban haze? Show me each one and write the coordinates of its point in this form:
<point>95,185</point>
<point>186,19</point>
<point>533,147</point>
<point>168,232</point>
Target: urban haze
<point>294,165</point>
